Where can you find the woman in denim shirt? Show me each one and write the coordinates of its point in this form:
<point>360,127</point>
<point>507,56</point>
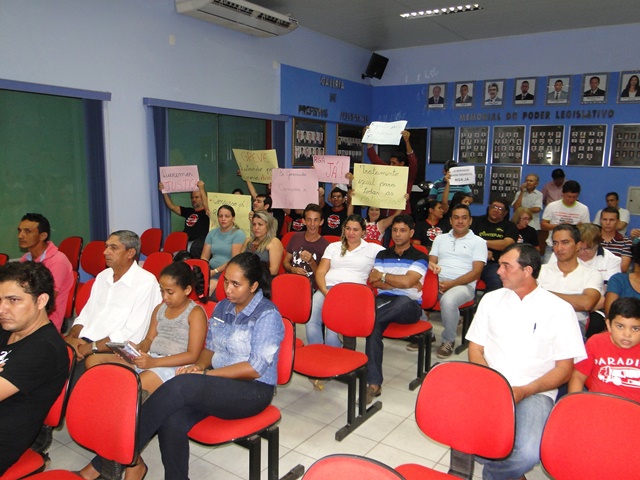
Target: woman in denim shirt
<point>234,377</point>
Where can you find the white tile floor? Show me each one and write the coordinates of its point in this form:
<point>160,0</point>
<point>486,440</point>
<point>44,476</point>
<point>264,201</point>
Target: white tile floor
<point>309,422</point>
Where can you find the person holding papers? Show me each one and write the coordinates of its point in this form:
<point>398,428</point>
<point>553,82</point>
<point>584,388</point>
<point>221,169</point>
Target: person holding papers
<point>399,159</point>
<point>442,186</point>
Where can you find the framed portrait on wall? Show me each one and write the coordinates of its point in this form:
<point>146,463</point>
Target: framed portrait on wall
<point>472,145</point>
<point>525,91</point>
<point>349,142</point>
<point>308,140</point>
<point>558,90</point>
<point>478,188</point>
<point>508,144</point>
<point>505,182</point>
<point>464,95</point>
<point>436,95</point>
<point>629,87</point>
<point>625,146</point>
<point>586,145</point>
<point>594,87</point>
<point>545,144</point>
<point>493,93</point>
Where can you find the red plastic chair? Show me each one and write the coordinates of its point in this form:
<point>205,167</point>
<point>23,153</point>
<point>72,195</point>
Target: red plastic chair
<point>350,467</point>
<point>285,226</point>
<point>332,238</point>
<point>72,248</point>
<point>286,238</point>
<point>155,262</point>
<point>220,293</point>
<point>468,407</point>
<point>349,309</point>
<point>71,299</point>
<point>32,462</point>
<point>4,258</point>
<point>246,432</point>
<point>430,302</point>
<point>292,295</point>
<point>150,241</point>
<point>83,294</point>
<point>203,265</point>
<point>96,422</point>
<point>92,258</point>
<point>592,436</point>
<point>208,307</point>
<point>175,242</point>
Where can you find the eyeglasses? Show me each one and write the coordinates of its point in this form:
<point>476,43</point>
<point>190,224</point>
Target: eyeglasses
<point>497,207</point>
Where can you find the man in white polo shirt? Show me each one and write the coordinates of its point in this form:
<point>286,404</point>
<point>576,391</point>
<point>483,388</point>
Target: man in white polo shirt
<point>532,338</point>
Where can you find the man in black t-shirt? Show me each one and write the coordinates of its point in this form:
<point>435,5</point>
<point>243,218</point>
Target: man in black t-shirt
<point>196,224</point>
<point>34,363</point>
<point>334,213</point>
<point>499,233</point>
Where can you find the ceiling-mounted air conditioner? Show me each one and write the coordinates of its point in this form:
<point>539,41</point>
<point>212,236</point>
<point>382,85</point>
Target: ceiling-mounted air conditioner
<point>239,15</point>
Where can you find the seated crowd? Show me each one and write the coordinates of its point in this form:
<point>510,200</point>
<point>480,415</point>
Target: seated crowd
<point>531,324</point>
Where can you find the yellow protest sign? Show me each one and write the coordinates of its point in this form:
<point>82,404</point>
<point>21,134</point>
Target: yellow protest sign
<point>381,186</point>
<point>256,165</point>
<point>240,203</point>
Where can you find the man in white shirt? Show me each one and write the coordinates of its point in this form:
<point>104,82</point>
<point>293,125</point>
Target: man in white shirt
<point>532,338</point>
<point>530,198</point>
<point>121,302</point>
<point>613,200</point>
<point>457,257</point>
<point>567,210</point>
<point>573,282</point>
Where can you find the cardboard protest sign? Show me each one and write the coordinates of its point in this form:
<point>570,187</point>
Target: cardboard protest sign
<point>331,168</point>
<point>294,187</point>
<point>381,186</point>
<point>256,165</point>
<point>384,133</point>
<point>179,179</point>
<point>462,175</point>
<point>240,203</point>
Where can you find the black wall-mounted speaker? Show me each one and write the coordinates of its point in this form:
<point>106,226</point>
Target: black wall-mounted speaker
<point>376,66</point>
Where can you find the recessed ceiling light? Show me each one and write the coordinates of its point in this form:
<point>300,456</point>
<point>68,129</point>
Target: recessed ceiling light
<point>442,11</point>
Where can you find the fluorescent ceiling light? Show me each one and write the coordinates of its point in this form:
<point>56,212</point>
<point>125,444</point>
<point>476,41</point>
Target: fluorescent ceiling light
<point>442,11</point>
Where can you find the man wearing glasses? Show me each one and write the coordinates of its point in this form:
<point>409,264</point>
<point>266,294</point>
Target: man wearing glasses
<point>496,229</point>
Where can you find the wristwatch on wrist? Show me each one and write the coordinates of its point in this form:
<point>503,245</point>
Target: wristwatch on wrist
<point>94,347</point>
<point>384,278</point>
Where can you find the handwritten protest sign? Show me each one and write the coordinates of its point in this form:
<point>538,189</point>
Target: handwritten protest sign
<point>384,133</point>
<point>256,165</point>
<point>179,179</point>
<point>381,186</point>
<point>331,168</point>
<point>294,187</point>
<point>463,175</point>
<point>240,203</point>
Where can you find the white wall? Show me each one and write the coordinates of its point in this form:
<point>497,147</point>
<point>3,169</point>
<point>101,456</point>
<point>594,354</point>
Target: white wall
<point>573,52</point>
<point>122,46</point>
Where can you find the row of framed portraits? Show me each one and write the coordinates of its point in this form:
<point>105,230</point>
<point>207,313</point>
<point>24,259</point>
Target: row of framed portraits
<point>595,88</point>
<point>546,145</point>
<point>508,145</point>
<point>309,140</point>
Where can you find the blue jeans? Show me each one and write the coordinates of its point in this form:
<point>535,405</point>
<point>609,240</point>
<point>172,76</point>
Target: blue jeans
<point>449,311</point>
<point>186,399</point>
<point>399,309</point>
<point>531,416</point>
<point>314,325</point>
